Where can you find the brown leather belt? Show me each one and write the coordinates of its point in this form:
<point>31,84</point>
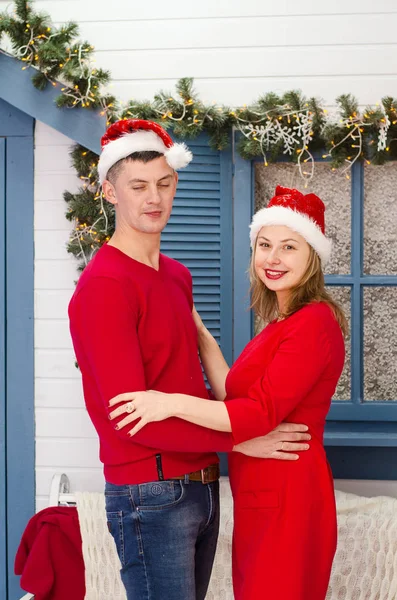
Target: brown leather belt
<point>207,475</point>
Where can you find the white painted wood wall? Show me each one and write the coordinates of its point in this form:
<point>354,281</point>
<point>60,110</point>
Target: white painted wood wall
<point>239,49</point>
<point>235,50</point>
<point>65,437</point>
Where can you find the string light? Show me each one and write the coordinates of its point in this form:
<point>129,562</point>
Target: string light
<point>357,126</point>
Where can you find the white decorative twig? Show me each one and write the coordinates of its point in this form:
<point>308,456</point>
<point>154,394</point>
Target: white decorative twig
<point>295,138</point>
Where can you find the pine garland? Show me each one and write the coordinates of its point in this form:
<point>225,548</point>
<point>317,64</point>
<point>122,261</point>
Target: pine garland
<point>289,126</point>
<point>93,217</point>
<point>365,136</point>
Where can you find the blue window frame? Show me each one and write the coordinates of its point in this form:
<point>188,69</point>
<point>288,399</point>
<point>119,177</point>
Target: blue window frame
<point>352,422</point>
<point>3,455</point>
<point>356,408</point>
<point>17,481</point>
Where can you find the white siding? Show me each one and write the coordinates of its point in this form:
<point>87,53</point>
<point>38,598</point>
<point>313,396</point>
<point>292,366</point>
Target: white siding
<point>235,50</point>
<point>65,438</point>
<point>239,49</point>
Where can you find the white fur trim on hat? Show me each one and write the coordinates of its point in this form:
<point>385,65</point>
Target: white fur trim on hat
<point>178,156</point>
<point>280,215</point>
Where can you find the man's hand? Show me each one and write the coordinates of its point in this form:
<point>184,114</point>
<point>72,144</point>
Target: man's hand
<point>280,443</point>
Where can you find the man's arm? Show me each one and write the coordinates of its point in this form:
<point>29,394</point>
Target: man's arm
<point>111,356</point>
<point>281,443</point>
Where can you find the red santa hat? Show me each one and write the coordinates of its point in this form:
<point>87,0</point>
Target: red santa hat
<point>137,135</point>
<point>301,213</point>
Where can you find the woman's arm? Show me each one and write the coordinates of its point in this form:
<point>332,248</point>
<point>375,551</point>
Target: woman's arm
<point>280,444</point>
<point>215,366</point>
<point>201,412</point>
<point>156,406</point>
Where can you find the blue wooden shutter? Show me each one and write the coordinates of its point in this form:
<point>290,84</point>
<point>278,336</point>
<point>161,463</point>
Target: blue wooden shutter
<point>199,235</point>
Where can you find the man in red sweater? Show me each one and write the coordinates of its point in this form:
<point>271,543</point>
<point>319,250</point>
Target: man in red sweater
<point>162,489</point>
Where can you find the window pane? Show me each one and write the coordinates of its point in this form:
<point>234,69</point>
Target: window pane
<point>380,219</point>
<point>380,343</point>
<point>342,296</point>
<point>332,187</point>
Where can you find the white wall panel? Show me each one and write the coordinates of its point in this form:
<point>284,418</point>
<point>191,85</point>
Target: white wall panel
<point>52,334</point>
<point>52,304</point>
<point>90,480</point>
<point>249,62</point>
<point>50,186</point>
<point>52,158</point>
<point>56,274</point>
<point>237,32</point>
<point>69,423</point>
<point>59,392</point>
<point>237,50</point>
<point>73,452</point>
<point>55,364</point>
<point>50,214</point>
<point>55,239</point>
<point>92,10</point>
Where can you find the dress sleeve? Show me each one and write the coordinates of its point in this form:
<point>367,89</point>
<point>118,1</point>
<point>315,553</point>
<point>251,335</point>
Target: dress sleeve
<point>104,330</point>
<point>298,364</point>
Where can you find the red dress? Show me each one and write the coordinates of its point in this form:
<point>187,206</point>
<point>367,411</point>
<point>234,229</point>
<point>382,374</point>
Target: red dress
<point>285,527</point>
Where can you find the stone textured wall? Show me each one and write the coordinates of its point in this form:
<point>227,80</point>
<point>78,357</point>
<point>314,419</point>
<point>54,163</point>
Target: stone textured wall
<point>380,219</point>
<point>380,303</point>
<point>380,343</point>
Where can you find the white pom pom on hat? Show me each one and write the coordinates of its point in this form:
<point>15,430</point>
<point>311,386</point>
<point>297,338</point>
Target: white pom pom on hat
<point>137,135</point>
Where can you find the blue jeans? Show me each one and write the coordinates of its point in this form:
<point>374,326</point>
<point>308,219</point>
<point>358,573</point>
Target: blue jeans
<point>166,534</point>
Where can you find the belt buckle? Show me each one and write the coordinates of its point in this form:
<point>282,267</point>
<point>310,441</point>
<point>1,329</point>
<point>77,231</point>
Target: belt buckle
<point>205,476</point>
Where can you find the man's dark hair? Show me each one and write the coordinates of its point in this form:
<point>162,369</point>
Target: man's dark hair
<point>145,156</point>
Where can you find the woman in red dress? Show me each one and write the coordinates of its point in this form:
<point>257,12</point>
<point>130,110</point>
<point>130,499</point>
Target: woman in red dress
<point>285,528</point>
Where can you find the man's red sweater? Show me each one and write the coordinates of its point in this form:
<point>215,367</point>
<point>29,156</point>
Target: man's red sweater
<point>132,330</point>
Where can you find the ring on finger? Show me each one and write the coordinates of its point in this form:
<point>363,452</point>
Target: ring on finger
<point>129,407</point>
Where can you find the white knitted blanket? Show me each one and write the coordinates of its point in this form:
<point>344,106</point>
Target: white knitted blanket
<point>102,564</point>
<point>365,566</point>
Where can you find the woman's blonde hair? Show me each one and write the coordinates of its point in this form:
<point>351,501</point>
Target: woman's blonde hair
<point>311,288</point>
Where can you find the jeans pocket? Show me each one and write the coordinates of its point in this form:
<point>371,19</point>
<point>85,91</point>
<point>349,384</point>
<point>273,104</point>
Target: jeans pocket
<point>158,495</point>
<point>115,526</point>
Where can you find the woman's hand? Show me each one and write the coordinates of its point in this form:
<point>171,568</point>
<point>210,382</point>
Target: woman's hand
<point>147,406</point>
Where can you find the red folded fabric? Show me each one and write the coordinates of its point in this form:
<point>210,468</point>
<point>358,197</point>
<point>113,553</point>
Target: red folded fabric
<point>50,557</point>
